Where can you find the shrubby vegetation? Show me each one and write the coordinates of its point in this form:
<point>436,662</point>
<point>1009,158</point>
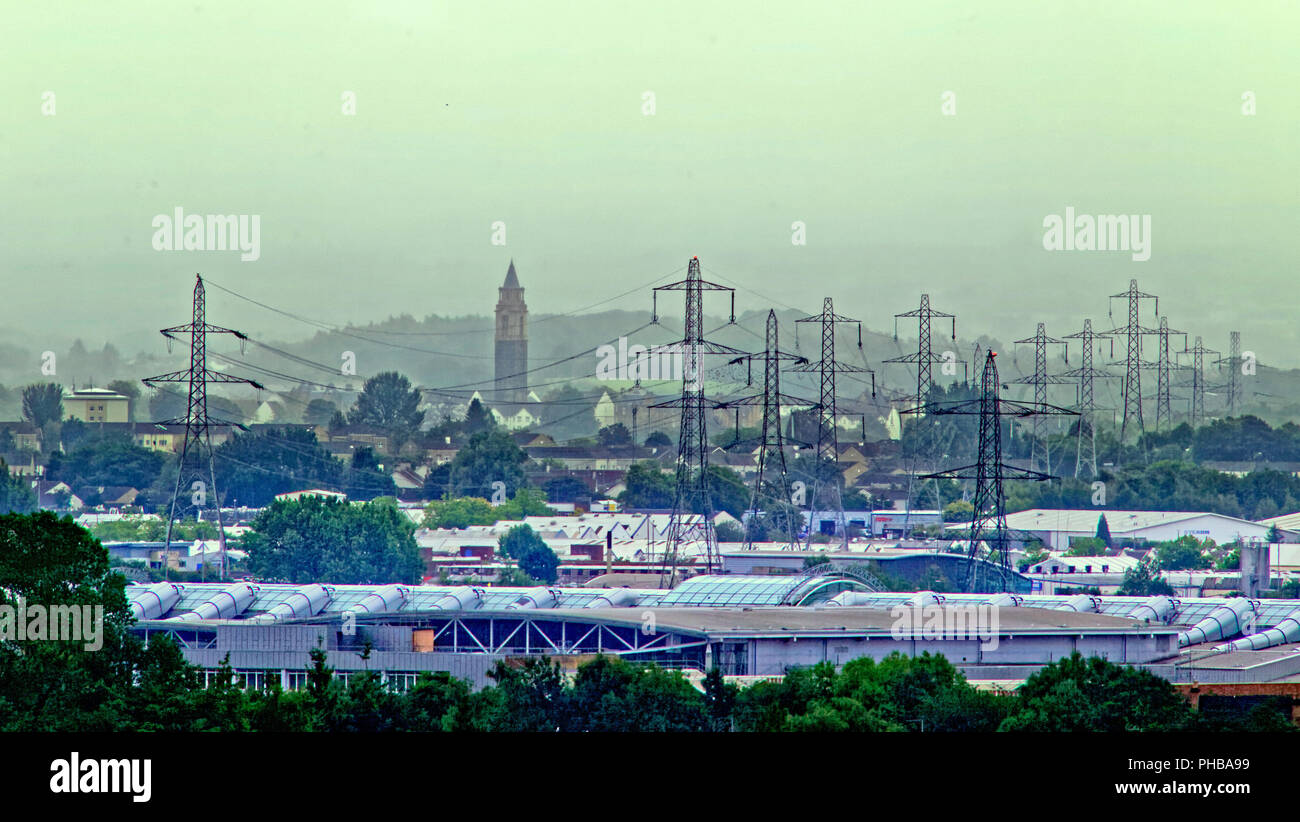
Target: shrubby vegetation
<point>463,512</point>
<point>151,529</point>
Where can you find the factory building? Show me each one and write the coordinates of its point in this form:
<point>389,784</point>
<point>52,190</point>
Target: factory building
<point>747,626</point>
<point>1058,528</point>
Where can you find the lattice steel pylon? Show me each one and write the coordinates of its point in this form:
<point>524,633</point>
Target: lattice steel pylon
<point>1233,361</point>
<point>989,520</point>
<point>771,445</point>
<point>1133,332</point>
<point>1163,365</point>
<point>827,432</point>
<point>924,357</point>
<point>1086,404</point>
<point>198,423</point>
<point>692,476</point>
<point>1040,380</point>
<point>1198,352</point>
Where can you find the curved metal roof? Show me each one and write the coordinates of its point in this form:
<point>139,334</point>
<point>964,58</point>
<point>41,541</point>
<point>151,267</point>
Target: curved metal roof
<point>804,589</point>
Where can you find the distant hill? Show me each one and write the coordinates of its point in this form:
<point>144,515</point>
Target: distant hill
<point>456,353</point>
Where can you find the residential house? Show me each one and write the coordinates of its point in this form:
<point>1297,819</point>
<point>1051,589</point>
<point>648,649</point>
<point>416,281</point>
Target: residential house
<point>26,436</point>
<point>96,405</point>
<point>55,495</point>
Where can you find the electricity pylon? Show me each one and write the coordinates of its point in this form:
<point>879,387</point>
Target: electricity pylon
<point>827,432</point>
<point>1163,365</point>
<point>1233,361</point>
<point>924,357</point>
<point>692,482</point>
<point>1198,352</point>
<point>771,487</point>
<point>989,519</point>
<point>1086,404</point>
<point>1132,332</point>
<point>1040,379</point>
<point>198,423</point>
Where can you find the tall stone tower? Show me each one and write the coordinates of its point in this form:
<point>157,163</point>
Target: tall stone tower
<point>511,341</point>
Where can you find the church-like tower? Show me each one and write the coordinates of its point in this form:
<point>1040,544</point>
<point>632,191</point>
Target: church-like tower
<point>511,341</point>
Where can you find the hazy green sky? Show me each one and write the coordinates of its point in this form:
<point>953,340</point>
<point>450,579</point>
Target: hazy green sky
<point>766,114</point>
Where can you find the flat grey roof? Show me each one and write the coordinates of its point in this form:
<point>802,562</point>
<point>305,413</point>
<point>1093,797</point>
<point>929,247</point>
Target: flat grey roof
<point>785,620</point>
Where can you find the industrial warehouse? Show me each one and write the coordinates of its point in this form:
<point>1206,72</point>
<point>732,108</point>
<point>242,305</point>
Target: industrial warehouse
<point>749,627</point>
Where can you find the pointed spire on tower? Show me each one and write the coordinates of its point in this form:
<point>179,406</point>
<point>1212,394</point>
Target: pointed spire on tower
<point>512,280</point>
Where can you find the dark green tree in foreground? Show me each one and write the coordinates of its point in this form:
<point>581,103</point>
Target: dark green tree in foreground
<point>54,685</point>
<point>1077,694</point>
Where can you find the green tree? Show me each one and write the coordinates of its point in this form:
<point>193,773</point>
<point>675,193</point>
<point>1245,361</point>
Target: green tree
<point>958,511</point>
<point>55,685</point>
<point>71,432</point>
<point>166,404</point>
<point>110,459</point>
<point>129,389</point>
<point>727,492</point>
<point>319,412</point>
<point>253,468</point>
<point>1183,554</point>
<point>314,539</point>
<point>1103,531</point>
<point>1077,694</point>
<point>16,495</point>
<point>646,485</point>
<point>488,457</point>
<point>527,502</point>
<point>366,478</point>
<point>438,702</point>
<point>567,489</point>
<point>478,418</point>
<point>530,697</point>
<point>1144,580</point>
<point>1085,547</point>
<point>437,483</point>
<point>658,439</point>
<point>614,435</point>
<point>388,402</point>
<point>611,694</point>
<point>522,544</point>
<point>459,513</point>
<point>719,700</point>
<point>165,699</point>
<point>43,403</point>
<point>1032,557</point>
<point>729,532</point>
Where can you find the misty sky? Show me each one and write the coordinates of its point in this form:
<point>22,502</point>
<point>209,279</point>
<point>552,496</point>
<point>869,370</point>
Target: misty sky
<point>531,114</point>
